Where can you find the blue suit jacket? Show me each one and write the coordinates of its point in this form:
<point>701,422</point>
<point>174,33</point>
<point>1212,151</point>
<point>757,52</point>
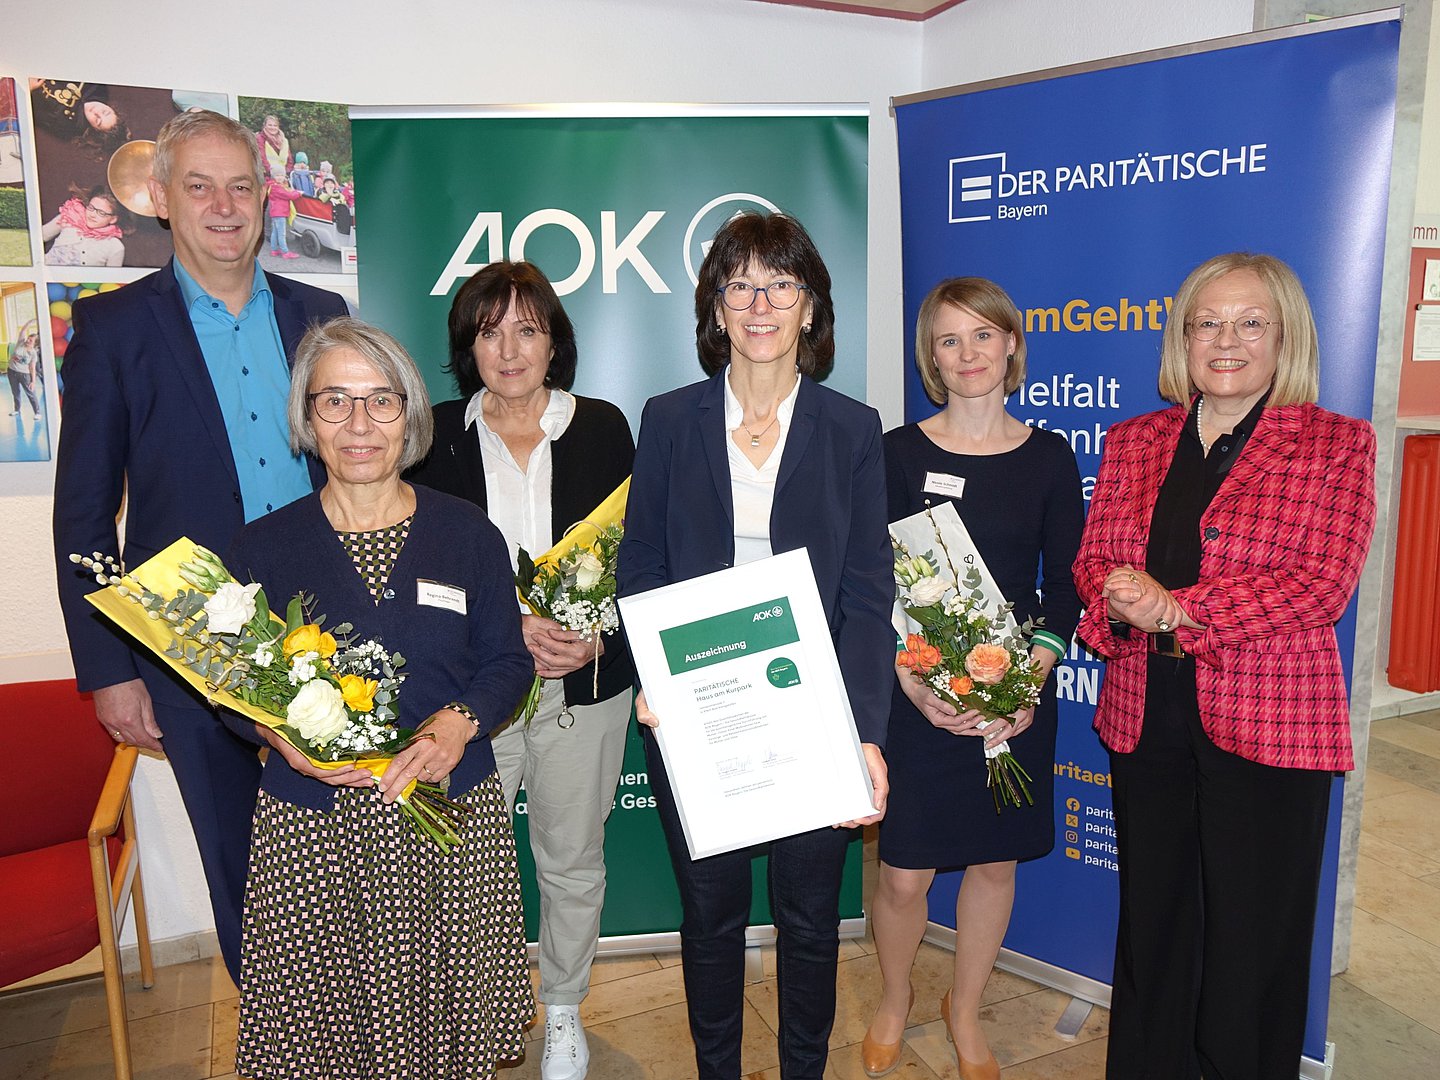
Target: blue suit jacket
<point>829,498</point>
<point>141,422</point>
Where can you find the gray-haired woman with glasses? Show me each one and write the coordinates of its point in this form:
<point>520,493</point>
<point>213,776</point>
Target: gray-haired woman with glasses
<point>366,951</point>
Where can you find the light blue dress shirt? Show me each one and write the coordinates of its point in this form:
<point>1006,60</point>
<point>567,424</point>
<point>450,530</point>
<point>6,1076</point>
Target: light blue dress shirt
<point>246,359</point>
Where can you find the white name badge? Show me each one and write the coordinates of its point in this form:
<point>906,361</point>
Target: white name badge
<point>939,483</point>
<point>438,594</point>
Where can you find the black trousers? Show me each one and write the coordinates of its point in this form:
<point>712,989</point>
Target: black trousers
<point>715,894</point>
<point>1219,874</point>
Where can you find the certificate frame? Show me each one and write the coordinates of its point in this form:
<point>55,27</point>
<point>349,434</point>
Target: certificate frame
<point>756,728</point>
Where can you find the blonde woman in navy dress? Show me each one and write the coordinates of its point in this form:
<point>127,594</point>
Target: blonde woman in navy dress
<point>1017,489</point>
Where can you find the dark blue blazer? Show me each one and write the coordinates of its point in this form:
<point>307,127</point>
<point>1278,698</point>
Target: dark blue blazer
<point>142,422</point>
<point>829,498</point>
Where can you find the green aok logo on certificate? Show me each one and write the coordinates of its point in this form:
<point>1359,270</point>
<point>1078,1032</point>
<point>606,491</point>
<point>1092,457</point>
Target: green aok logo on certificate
<point>755,724</point>
<point>746,631</point>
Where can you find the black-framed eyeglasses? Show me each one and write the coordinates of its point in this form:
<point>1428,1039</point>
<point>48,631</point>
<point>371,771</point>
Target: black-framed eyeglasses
<point>1247,327</point>
<point>781,295</point>
<point>382,406</point>
<point>98,212</point>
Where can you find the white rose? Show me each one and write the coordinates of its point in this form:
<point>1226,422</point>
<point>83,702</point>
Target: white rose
<point>231,607</point>
<point>318,712</point>
<point>928,590</point>
<point>588,569</point>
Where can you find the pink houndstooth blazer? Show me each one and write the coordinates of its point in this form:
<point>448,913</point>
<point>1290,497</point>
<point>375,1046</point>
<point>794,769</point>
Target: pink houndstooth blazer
<point>1283,542</point>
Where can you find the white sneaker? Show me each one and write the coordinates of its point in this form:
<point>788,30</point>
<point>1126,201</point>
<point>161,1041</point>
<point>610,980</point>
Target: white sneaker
<point>567,1056</point>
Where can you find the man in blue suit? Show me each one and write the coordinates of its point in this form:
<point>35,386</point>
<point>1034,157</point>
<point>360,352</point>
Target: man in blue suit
<point>175,410</point>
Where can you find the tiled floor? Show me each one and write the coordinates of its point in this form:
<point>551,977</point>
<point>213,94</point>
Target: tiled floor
<point>1385,1011</point>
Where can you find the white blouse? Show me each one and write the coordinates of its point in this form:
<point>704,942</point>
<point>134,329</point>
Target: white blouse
<point>518,500</point>
<point>752,490</point>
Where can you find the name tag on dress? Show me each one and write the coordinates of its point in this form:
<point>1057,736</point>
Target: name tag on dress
<point>438,594</point>
<point>939,483</point>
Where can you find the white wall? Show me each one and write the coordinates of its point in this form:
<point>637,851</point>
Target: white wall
<point>1427,188</point>
<point>461,51</point>
<point>988,39</point>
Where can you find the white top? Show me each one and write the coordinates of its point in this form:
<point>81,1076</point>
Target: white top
<point>519,499</point>
<point>752,490</point>
<point>73,248</point>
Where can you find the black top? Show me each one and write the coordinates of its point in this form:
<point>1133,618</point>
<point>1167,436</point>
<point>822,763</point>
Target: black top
<point>1172,556</point>
<point>1024,511</point>
<point>1022,508</point>
<point>589,460</point>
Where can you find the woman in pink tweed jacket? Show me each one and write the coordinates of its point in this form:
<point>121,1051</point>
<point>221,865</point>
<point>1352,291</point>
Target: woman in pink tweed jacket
<point>1225,538</point>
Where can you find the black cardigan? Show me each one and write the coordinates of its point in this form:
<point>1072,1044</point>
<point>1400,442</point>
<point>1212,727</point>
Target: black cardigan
<point>588,462</point>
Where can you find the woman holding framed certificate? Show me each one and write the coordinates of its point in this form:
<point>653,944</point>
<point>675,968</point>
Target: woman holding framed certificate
<point>757,460</point>
<point>1017,491</point>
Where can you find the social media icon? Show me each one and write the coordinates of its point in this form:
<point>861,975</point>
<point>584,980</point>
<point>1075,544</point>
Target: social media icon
<point>1072,804</point>
<point>1072,820</point>
<point>1071,836</point>
<point>1072,853</point>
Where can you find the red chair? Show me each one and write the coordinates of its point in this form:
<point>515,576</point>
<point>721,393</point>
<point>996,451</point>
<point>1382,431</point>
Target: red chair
<point>69,864</point>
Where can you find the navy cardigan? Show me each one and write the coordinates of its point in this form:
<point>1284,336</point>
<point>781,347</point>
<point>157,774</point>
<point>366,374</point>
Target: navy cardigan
<point>477,657</point>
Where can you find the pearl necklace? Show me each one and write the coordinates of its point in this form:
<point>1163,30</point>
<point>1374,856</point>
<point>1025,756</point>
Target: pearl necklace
<point>1200,423</point>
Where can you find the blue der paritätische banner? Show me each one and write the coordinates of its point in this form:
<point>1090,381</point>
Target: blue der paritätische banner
<point>1089,197</point>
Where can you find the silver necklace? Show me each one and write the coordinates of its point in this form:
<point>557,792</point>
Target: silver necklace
<point>1200,423</point>
<point>755,439</point>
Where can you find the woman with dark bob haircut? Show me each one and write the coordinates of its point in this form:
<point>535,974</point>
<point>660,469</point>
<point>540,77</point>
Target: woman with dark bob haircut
<point>795,465</point>
<point>538,459</point>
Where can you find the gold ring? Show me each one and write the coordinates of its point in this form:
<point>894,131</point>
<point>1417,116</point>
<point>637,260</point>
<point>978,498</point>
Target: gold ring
<point>1133,577</point>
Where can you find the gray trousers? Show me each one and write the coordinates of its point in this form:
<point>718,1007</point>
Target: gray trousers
<point>569,775</point>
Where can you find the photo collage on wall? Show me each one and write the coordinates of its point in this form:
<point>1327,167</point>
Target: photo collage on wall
<point>77,219</point>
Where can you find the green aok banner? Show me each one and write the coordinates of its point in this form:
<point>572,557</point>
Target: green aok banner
<point>618,211</point>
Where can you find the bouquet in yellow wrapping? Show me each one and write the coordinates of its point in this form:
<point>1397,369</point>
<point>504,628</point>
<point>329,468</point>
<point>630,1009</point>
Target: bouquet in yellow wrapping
<point>574,582</point>
<point>330,697</point>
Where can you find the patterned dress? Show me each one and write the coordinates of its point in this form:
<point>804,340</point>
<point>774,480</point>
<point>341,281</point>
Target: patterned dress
<point>369,954</point>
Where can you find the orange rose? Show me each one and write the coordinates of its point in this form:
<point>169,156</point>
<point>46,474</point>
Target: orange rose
<point>905,658</point>
<point>914,643</point>
<point>309,638</point>
<point>960,685</point>
<point>987,664</point>
<point>358,692</point>
<point>927,658</point>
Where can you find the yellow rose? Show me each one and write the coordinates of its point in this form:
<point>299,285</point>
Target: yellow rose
<point>309,638</point>
<point>358,692</point>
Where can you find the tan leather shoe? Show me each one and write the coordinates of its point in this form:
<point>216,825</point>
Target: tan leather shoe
<point>880,1059</point>
<point>969,1070</point>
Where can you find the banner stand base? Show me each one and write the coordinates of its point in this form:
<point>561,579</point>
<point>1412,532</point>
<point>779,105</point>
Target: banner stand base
<point>1073,1019</point>
<point>1086,992</point>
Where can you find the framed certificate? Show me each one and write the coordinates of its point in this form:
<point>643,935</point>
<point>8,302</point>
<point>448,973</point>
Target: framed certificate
<point>755,725</point>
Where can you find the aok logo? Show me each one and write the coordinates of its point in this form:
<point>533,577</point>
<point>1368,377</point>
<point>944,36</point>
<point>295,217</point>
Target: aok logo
<point>768,613</point>
<point>707,221</point>
<point>613,251</point>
